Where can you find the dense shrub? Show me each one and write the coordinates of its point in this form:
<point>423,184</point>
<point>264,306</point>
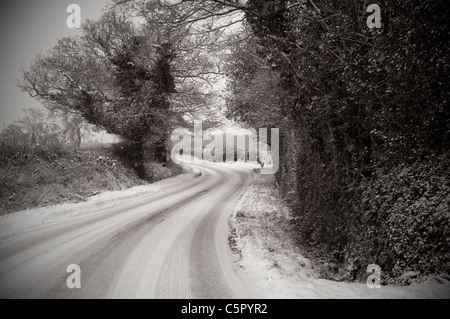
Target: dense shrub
<point>27,180</point>
<point>406,220</point>
<point>399,219</point>
<point>365,127</point>
<point>157,171</point>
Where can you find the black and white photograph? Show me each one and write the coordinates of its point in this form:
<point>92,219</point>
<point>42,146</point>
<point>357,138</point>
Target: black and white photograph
<point>226,155</point>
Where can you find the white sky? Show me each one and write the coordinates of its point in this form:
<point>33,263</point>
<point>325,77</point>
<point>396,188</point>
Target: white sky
<point>28,27</point>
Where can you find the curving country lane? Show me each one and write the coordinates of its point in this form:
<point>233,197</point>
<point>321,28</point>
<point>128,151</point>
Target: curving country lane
<point>172,244</point>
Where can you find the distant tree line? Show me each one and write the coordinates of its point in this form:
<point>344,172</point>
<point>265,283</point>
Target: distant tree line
<point>44,133</point>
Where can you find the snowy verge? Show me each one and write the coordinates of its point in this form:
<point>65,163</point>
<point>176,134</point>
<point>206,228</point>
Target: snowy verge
<point>267,256</point>
<point>27,220</point>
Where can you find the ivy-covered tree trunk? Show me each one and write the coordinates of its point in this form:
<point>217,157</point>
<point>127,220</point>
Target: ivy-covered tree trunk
<point>161,151</point>
<point>165,85</point>
<point>139,160</point>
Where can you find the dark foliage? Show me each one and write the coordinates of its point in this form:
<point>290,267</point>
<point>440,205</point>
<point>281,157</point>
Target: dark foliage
<point>365,127</point>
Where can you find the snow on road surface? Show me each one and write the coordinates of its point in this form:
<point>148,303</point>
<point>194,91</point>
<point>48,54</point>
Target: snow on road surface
<point>167,240</point>
<point>274,267</point>
<point>24,220</point>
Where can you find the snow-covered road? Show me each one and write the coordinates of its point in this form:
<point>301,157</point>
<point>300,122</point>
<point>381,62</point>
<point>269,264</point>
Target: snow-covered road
<point>169,243</point>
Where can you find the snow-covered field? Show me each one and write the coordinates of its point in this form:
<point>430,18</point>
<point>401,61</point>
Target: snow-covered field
<point>275,268</point>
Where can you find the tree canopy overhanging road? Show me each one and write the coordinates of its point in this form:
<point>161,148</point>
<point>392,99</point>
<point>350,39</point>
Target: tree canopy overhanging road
<point>362,113</point>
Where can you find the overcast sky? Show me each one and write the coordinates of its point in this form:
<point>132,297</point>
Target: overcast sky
<point>28,27</point>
